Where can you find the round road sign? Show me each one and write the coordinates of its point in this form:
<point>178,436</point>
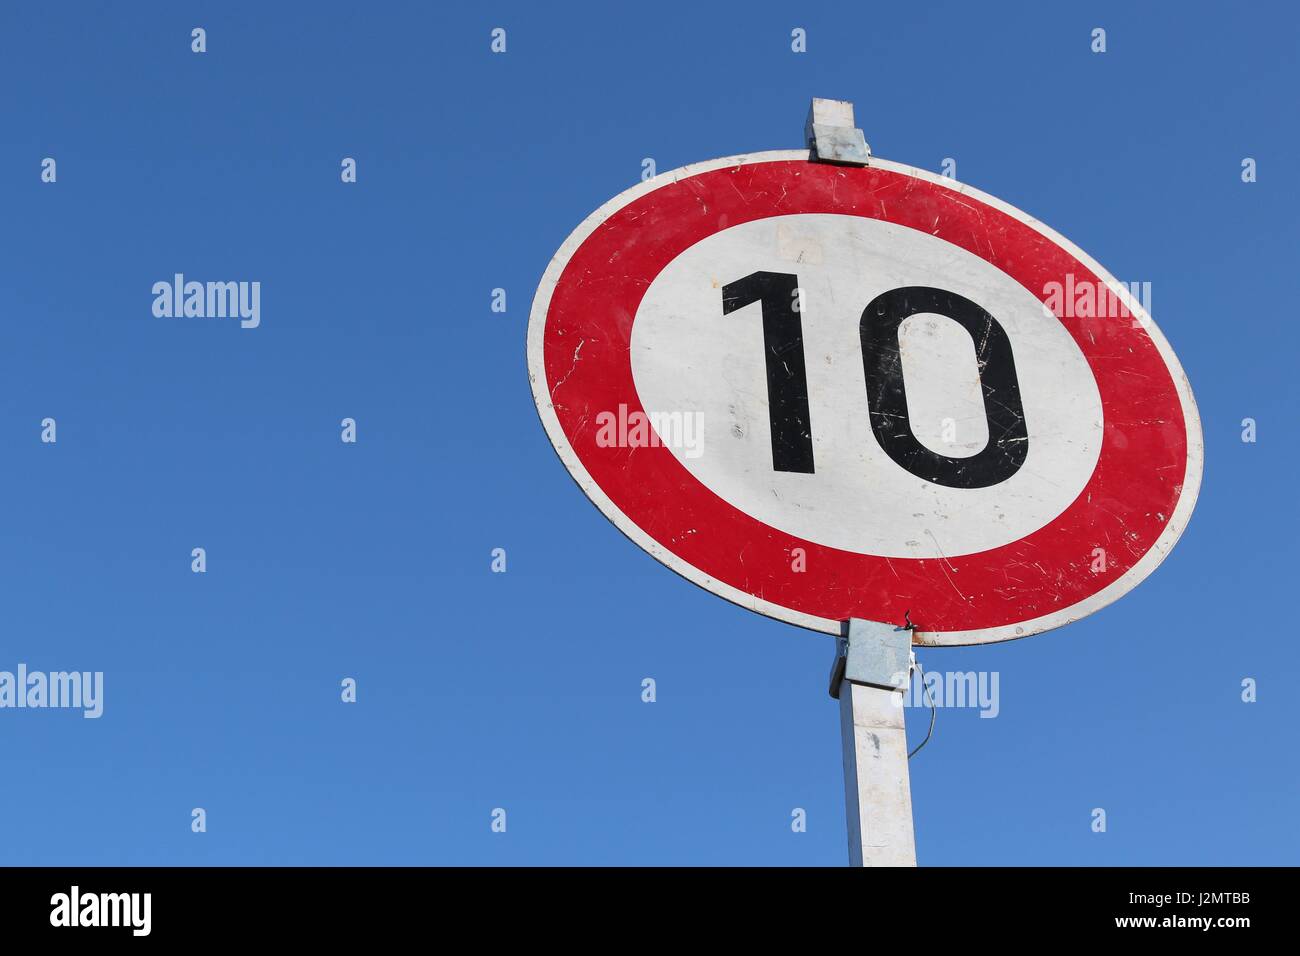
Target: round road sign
<point>828,392</point>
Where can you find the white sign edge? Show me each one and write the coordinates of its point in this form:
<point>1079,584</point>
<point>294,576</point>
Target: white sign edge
<point>1008,632</point>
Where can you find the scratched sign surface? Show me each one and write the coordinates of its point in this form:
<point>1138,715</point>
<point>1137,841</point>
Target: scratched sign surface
<point>826,392</point>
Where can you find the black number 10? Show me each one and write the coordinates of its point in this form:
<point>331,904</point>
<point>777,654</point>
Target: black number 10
<point>787,380</point>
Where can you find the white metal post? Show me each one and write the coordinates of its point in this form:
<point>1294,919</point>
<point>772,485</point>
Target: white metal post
<point>869,677</point>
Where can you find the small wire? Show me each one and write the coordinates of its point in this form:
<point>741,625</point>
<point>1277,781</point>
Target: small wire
<point>932,710</point>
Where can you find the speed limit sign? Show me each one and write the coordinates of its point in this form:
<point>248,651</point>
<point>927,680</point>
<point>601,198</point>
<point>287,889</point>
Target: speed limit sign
<point>828,392</point>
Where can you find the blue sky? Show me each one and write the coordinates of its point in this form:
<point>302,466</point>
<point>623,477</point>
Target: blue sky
<point>371,560</point>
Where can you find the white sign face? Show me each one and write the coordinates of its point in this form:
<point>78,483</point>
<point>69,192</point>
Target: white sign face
<point>827,392</point>
<point>859,499</point>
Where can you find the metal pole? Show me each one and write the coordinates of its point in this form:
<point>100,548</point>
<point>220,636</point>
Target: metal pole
<point>873,660</point>
<point>870,675</point>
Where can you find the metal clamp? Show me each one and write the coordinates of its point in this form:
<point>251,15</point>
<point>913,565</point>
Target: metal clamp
<point>879,655</point>
<point>832,136</point>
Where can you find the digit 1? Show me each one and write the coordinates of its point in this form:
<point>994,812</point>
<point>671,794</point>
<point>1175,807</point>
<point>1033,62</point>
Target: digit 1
<point>787,378</point>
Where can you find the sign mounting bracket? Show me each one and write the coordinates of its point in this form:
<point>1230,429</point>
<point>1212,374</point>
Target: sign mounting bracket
<point>832,136</point>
